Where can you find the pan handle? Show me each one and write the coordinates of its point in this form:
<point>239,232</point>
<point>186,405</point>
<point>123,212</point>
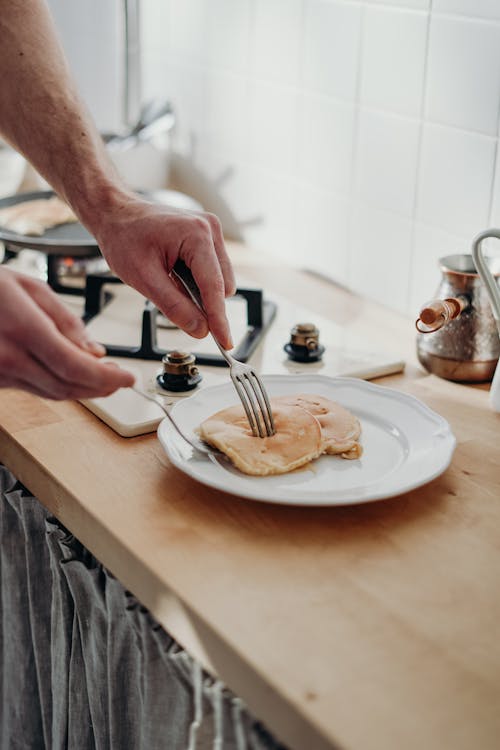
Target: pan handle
<point>493,290</point>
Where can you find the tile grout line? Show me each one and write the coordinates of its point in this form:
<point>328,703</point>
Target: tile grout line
<point>354,148</point>
<point>418,170</point>
<point>297,248</point>
<point>496,170</point>
<point>328,97</point>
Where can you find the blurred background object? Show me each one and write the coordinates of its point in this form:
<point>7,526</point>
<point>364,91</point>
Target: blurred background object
<point>357,139</point>
<point>102,42</point>
<point>12,169</point>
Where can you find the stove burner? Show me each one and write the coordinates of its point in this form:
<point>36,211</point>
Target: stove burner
<point>304,343</point>
<point>179,372</point>
<point>260,315</point>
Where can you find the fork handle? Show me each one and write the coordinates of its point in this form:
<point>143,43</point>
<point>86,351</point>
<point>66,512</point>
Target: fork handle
<point>182,272</point>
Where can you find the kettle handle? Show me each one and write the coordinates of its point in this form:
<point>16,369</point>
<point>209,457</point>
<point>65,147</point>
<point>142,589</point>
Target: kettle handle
<point>494,294</point>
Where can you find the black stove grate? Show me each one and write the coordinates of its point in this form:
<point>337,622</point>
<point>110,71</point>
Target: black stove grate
<point>260,314</point>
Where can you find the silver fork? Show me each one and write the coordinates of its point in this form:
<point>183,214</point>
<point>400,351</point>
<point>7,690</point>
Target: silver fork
<point>196,445</point>
<point>248,384</point>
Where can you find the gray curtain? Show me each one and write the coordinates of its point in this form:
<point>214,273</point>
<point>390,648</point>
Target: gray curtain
<point>83,663</point>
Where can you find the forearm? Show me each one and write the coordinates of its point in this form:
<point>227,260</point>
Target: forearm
<point>43,116</point>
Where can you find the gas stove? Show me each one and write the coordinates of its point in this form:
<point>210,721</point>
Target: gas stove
<point>276,335</point>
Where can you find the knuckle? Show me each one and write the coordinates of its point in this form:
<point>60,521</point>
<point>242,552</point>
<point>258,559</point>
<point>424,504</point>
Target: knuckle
<point>68,370</point>
<point>218,286</point>
<point>34,285</point>
<point>18,330</point>
<point>7,359</point>
<point>200,225</point>
<point>214,222</point>
<point>172,309</point>
<point>63,391</point>
<point>70,322</point>
<point>69,392</point>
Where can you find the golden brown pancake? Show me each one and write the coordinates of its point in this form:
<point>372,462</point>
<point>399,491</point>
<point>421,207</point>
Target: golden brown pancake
<point>34,217</point>
<point>306,426</point>
<point>297,440</point>
<point>340,429</point>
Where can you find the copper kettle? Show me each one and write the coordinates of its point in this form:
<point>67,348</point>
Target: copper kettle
<point>458,338</point>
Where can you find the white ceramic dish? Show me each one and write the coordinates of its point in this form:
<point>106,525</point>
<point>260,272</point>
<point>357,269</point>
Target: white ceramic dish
<point>405,445</point>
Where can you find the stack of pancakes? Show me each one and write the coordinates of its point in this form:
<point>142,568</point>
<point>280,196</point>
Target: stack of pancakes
<point>307,426</point>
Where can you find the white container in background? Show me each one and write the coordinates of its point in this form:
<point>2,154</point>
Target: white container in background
<point>12,170</point>
<point>145,166</point>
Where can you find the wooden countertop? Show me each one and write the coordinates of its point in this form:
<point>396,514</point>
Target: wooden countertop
<point>370,627</point>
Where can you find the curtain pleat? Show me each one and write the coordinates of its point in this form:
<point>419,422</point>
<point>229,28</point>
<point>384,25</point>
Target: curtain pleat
<point>84,666</point>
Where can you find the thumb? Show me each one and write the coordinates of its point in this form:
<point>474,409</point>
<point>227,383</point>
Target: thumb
<point>69,324</point>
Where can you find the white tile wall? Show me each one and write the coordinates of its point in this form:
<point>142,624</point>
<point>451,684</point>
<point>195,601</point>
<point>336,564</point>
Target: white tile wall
<point>224,122</point>
<point>456,179</point>
<point>464,74</point>
<point>430,245</point>
<point>321,239</point>
<point>332,33</point>
<point>495,208</point>
<point>155,25</point>
<point>273,112</point>
<point>226,29</point>
<point>185,35</point>
<point>394,45</point>
<point>265,200</point>
<point>277,20</point>
<point>361,136</point>
<point>325,142</point>
<point>97,27</point>
<point>417,4</point>
<point>387,157</point>
<point>380,255</point>
<point>475,8</point>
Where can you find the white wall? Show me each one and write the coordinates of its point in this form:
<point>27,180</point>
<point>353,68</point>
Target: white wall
<point>92,34</point>
<point>359,139</point>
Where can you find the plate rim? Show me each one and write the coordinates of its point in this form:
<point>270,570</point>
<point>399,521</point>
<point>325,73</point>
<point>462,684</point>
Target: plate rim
<point>443,430</point>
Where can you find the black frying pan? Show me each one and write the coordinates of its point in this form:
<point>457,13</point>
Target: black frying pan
<point>66,239</point>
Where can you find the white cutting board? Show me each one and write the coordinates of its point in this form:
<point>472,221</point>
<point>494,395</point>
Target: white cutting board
<point>125,411</point>
<point>130,414</point>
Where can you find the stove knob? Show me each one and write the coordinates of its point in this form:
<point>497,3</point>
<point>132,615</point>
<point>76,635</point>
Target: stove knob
<point>179,372</point>
<point>304,343</point>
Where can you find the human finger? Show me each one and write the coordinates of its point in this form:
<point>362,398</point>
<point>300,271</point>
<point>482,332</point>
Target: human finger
<point>221,252</point>
<point>68,362</point>
<point>82,373</point>
<point>208,277</point>
<point>34,377</point>
<point>69,324</point>
<point>198,252</point>
<point>169,297</point>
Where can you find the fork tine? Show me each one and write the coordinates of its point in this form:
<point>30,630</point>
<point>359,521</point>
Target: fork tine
<point>261,395</point>
<point>251,394</point>
<point>245,386</point>
<point>242,375</point>
<point>268,412</point>
<point>245,401</point>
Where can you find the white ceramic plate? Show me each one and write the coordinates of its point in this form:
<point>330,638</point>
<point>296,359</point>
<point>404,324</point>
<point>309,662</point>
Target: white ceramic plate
<point>405,445</point>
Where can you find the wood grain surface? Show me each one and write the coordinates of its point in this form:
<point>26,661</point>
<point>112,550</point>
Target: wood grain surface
<point>370,627</point>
